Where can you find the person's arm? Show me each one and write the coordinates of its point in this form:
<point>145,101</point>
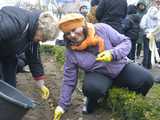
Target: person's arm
<point>34,61</point>
<point>156,30</point>
<point>143,23</point>
<point>121,44</point>
<point>69,82</point>
<point>36,68</point>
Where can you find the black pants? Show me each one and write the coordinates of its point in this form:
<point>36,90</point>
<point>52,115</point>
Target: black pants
<point>131,55</point>
<point>8,70</point>
<point>133,77</point>
<point>147,54</point>
<point>139,48</point>
<point>0,71</point>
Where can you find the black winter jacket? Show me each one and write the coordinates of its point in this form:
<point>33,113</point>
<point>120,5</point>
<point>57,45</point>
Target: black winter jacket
<point>17,29</point>
<point>131,23</point>
<point>112,12</point>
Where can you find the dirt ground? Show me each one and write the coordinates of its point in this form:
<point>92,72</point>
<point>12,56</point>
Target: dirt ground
<point>44,109</point>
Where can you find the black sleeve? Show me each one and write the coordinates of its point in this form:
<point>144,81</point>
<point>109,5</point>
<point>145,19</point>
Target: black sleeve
<point>34,60</point>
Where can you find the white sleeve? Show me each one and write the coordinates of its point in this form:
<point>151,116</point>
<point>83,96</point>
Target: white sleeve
<point>143,23</point>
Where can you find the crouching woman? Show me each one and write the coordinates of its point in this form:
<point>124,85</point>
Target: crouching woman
<point>101,52</point>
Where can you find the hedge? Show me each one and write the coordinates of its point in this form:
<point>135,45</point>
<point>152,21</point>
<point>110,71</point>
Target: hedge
<point>131,106</point>
<point>128,105</point>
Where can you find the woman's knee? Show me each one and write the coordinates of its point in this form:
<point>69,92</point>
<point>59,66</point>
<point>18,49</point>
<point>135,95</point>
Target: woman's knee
<point>91,90</point>
<point>96,85</point>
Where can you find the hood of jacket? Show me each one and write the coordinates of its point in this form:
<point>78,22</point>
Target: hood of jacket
<point>143,2</point>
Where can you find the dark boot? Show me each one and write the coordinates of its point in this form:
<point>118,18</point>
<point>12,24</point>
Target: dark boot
<point>89,105</point>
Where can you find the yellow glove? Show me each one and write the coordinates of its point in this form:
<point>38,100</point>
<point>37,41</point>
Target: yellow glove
<point>44,92</point>
<point>43,89</point>
<point>58,113</point>
<point>105,56</point>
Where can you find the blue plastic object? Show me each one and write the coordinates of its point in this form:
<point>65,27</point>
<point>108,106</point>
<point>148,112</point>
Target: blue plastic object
<point>13,103</point>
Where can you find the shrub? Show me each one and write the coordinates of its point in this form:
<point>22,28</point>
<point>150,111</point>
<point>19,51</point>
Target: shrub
<point>131,106</point>
<point>46,49</point>
<point>58,52</point>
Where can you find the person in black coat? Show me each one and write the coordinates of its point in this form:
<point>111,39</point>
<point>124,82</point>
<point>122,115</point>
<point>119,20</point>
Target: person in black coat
<point>131,28</point>
<point>21,31</point>
<point>112,12</point>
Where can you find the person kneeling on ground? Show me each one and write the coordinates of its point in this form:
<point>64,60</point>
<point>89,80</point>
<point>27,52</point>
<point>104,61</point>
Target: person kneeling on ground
<point>101,52</point>
<point>20,32</point>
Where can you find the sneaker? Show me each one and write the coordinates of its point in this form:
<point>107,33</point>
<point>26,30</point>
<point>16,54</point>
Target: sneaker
<point>89,105</point>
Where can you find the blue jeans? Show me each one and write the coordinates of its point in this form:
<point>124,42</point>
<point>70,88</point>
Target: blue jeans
<point>133,77</point>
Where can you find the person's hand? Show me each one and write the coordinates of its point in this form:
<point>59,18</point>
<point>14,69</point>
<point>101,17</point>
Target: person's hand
<point>43,89</point>
<point>58,113</point>
<point>44,92</point>
<point>150,36</point>
<point>105,56</point>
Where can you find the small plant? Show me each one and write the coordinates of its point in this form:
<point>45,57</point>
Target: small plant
<point>46,49</point>
<point>58,52</point>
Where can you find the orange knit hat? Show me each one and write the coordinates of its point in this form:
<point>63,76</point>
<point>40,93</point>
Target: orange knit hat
<point>71,21</point>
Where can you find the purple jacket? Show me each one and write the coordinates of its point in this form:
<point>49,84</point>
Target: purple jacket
<point>120,46</point>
